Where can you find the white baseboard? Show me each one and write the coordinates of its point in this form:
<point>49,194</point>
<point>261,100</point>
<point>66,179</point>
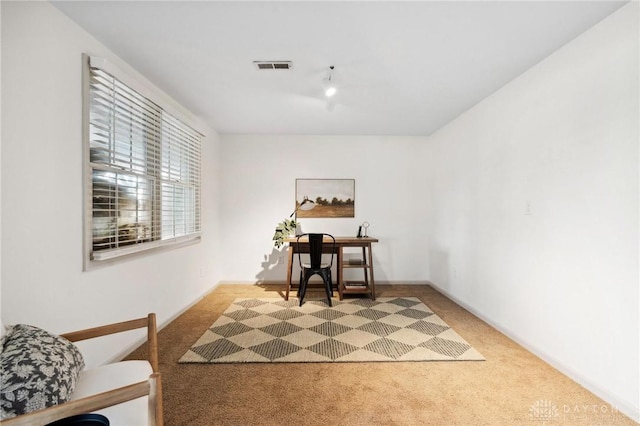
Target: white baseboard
<point>378,282</point>
<point>187,307</point>
<point>130,348</point>
<point>615,401</point>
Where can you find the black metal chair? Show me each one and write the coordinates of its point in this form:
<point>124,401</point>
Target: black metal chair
<point>319,244</point>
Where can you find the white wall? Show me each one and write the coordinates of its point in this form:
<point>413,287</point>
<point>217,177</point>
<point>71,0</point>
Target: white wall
<point>42,279</point>
<point>529,202</point>
<point>1,321</point>
<point>259,174</point>
<point>533,216</point>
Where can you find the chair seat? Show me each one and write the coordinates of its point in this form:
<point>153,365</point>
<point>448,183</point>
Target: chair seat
<point>115,375</point>
<point>322,265</point>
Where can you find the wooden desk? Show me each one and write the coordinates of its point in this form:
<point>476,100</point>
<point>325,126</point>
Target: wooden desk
<point>367,286</point>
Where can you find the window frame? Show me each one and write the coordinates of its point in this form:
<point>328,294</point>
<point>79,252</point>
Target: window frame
<point>178,114</point>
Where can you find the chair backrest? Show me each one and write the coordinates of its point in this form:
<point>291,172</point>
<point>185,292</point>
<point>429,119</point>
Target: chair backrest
<point>317,244</point>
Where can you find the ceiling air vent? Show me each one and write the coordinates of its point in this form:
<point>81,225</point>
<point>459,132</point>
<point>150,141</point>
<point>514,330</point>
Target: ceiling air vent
<point>273,65</point>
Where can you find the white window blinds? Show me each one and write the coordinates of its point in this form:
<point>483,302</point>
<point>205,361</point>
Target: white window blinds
<point>145,171</point>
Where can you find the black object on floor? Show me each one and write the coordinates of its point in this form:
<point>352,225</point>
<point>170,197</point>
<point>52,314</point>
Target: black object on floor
<point>82,420</point>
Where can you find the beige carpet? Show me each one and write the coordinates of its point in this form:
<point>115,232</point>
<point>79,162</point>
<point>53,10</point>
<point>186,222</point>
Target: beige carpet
<point>512,387</point>
<point>352,330</point>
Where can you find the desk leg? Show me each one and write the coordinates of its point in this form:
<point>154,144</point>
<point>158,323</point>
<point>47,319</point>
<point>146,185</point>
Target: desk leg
<point>289,271</point>
<point>339,268</point>
<point>373,283</point>
<point>366,272</point>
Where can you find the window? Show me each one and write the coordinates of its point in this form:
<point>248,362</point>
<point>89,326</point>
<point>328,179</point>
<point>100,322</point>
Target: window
<point>143,170</point>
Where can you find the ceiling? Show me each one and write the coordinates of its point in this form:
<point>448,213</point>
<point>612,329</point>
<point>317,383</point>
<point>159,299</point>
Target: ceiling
<point>402,68</point>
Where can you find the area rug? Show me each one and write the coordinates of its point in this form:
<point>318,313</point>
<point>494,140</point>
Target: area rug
<point>353,330</point>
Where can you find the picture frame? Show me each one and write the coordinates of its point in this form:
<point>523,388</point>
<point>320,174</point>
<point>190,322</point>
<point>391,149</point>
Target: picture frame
<point>332,198</point>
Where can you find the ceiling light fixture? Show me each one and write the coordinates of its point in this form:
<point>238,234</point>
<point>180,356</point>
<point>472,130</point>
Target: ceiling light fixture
<point>328,84</point>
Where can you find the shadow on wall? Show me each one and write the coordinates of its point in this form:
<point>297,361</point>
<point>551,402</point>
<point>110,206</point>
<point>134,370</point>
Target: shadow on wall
<point>439,268</point>
<point>274,266</point>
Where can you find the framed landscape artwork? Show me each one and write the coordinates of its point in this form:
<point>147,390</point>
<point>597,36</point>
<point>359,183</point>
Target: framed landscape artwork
<point>332,197</point>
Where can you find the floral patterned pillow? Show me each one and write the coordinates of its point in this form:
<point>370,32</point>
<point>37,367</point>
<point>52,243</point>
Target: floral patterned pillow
<point>38,370</point>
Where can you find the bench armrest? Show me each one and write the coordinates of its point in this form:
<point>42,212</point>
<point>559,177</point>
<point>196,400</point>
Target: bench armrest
<point>151,387</point>
<point>149,322</point>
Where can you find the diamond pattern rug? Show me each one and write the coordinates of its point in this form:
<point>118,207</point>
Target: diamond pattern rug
<point>353,330</point>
